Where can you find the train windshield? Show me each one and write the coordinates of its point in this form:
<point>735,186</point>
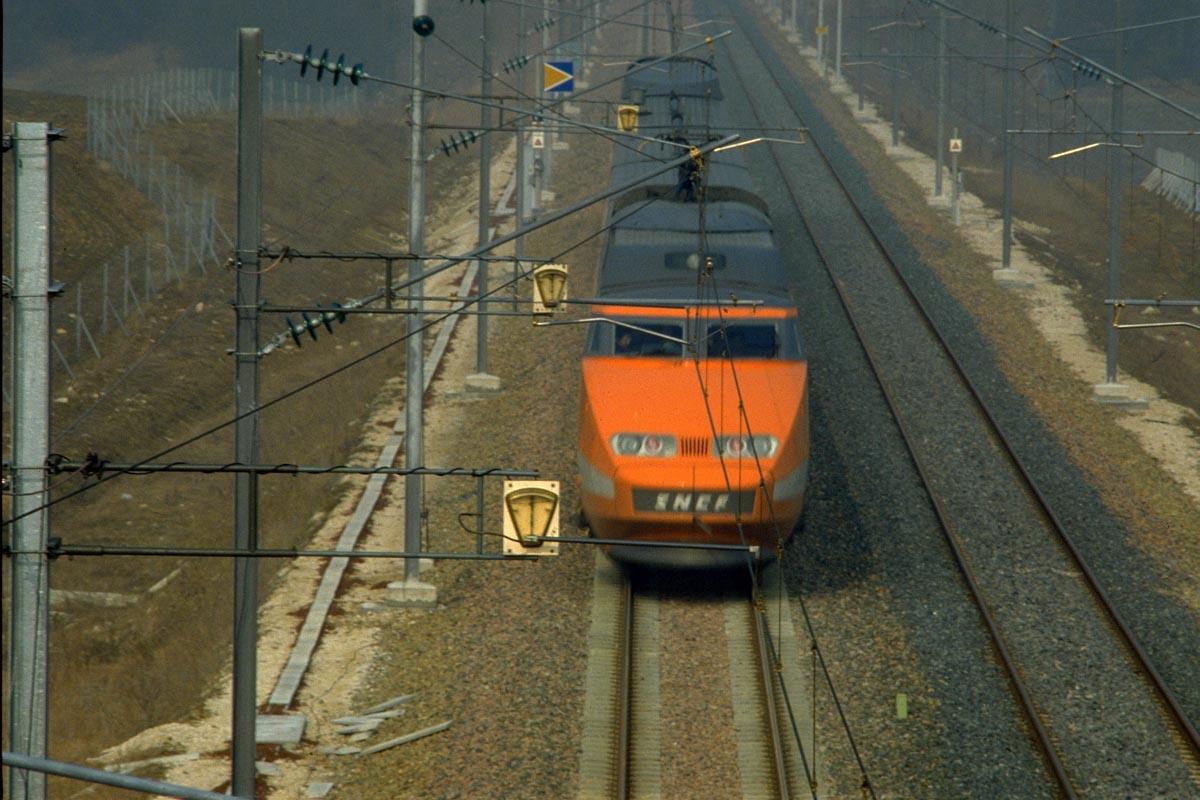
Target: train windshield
<point>646,339</point>
<point>753,340</point>
<point>740,339</point>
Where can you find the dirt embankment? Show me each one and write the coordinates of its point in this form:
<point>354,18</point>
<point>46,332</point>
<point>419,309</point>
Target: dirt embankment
<point>167,377</point>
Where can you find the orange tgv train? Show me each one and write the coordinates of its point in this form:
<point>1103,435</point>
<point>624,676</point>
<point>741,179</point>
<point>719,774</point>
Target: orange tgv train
<point>694,408</point>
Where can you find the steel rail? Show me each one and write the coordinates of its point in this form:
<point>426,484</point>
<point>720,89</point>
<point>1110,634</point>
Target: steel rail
<point>1117,622</point>
<point>625,693</point>
<point>626,701</point>
<point>1042,736</point>
<point>767,672</point>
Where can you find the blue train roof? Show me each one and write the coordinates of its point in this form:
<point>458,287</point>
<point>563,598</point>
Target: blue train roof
<point>686,76</point>
<point>655,264</point>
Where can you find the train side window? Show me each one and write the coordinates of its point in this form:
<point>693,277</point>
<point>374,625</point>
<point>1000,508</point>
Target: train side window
<point>742,340</point>
<point>630,342</point>
<point>599,339</point>
<point>791,345</point>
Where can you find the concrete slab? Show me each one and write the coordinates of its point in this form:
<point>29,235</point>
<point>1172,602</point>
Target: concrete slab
<point>482,382</point>
<point>279,728</point>
<point>412,593</point>
<point>318,789</point>
<point>1120,395</point>
<point>1012,278</point>
<point>267,768</point>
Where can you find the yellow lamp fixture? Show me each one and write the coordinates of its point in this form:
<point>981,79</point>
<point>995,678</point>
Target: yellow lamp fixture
<point>549,288</point>
<point>627,118</point>
<point>530,517</point>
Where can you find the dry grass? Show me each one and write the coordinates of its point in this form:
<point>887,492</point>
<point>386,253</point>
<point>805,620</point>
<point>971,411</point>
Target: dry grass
<point>1160,251</point>
<point>117,671</point>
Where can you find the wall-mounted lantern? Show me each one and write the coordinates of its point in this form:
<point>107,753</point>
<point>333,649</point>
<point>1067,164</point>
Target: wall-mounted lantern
<point>549,288</point>
<point>530,514</point>
<point>627,118</point>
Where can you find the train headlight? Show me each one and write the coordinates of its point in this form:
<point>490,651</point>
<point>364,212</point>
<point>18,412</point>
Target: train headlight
<point>762,445</point>
<point>654,445</point>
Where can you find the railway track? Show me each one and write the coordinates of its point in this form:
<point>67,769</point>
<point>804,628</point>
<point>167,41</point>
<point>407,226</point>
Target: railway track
<point>624,737</point>
<point>1102,717</point>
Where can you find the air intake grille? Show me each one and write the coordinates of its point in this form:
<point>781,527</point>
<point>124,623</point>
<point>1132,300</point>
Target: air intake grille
<point>694,445</point>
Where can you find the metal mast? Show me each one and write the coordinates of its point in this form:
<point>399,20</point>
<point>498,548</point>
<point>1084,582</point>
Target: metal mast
<point>246,432</point>
<point>29,651</point>
<point>414,367</point>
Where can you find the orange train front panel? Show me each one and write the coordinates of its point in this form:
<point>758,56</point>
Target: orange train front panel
<point>666,452</point>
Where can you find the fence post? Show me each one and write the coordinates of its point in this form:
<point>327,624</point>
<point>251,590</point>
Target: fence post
<point>104,299</point>
<point>125,286</point>
<point>78,318</point>
<point>148,286</point>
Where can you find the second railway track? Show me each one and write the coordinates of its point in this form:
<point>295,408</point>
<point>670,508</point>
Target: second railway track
<point>1104,719</point>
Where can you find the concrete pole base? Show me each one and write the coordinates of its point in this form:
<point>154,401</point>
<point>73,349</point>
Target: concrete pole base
<point>1118,394</point>
<point>482,382</point>
<point>1012,278</point>
<point>279,728</point>
<point>412,594</point>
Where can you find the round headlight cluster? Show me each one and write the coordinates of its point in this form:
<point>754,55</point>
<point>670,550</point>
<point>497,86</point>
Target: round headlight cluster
<point>654,445</point>
<point>762,445</point>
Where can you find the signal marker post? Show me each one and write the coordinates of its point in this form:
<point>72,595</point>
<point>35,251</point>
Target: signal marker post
<point>955,178</point>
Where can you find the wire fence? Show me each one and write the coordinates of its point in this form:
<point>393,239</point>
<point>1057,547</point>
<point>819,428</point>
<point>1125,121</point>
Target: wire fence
<point>1176,177</point>
<point>191,237</point>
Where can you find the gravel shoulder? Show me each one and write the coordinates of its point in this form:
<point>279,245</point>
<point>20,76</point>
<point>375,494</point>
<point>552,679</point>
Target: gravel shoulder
<point>1050,410</point>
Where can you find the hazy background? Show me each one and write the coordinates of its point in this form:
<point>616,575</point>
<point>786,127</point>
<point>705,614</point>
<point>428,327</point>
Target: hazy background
<point>77,45</point>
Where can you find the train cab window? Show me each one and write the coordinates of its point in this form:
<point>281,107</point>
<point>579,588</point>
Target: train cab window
<point>754,340</point>
<point>606,339</point>
<point>630,342</point>
<point>741,340</point>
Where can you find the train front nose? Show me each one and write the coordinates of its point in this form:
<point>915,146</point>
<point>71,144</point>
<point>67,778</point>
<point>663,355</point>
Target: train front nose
<point>679,497</point>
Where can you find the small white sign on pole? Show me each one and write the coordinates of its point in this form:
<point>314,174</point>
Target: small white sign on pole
<point>537,139</point>
<point>956,145</point>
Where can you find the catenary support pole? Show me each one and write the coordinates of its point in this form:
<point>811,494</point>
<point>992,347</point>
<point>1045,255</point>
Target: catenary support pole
<point>939,142</point>
<point>485,203</point>
<point>414,369</point>
<point>837,50</point>
<point>858,69</point>
<point>1114,203</point>
<point>821,32</point>
<point>645,42</point>
<point>522,164</point>
<point>246,431</point>
<point>1006,233</point>
<point>29,635</point>
<point>549,131</point>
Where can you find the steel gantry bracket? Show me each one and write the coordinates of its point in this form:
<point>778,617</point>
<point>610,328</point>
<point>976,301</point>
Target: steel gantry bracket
<point>1158,302</point>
